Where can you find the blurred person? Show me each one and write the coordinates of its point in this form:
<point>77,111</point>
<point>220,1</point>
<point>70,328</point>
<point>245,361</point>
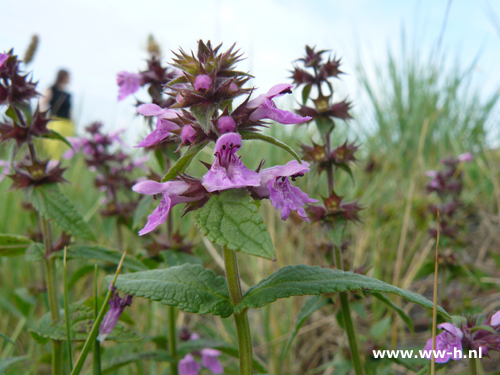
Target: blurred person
<point>58,100</point>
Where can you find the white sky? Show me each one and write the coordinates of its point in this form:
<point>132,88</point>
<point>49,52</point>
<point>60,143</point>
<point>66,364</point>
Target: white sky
<point>96,38</point>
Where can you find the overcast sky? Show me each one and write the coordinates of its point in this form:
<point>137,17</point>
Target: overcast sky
<point>96,38</point>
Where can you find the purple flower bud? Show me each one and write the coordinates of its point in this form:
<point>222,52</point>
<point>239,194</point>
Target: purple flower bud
<point>202,82</point>
<point>128,84</point>
<point>3,58</point>
<point>233,87</point>
<point>495,319</point>
<point>467,157</point>
<point>226,124</point>
<point>188,134</point>
<point>266,109</point>
<point>188,366</point>
<point>210,361</point>
<point>447,342</point>
<point>116,307</point>
<point>228,171</point>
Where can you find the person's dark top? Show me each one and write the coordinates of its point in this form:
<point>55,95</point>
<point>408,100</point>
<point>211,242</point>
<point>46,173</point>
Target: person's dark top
<point>60,103</point>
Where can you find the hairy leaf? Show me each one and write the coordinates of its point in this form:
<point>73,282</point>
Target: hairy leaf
<point>184,161</point>
<point>82,320</point>
<point>190,287</point>
<point>177,258</point>
<point>303,280</point>
<point>12,245</point>
<point>52,204</point>
<point>266,138</point>
<point>231,219</point>
<point>103,254</point>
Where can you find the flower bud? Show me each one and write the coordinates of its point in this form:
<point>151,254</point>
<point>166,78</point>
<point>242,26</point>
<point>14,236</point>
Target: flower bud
<point>226,124</point>
<point>202,82</point>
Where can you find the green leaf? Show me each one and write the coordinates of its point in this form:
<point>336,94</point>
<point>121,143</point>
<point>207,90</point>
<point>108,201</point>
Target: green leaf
<point>312,305</point>
<point>12,245</point>
<point>190,287</point>
<point>103,254</point>
<point>305,92</point>
<point>303,280</point>
<point>184,161</point>
<point>7,362</point>
<point>404,316</point>
<point>231,219</point>
<point>267,138</point>
<point>82,319</point>
<point>141,211</point>
<point>58,137</point>
<point>325,125</point>
<point>178,258</point>
<point>123,360</point>
<point>35,252</point>
<point>203,113</point>
<point>52,204</point>
<point>7,338</point>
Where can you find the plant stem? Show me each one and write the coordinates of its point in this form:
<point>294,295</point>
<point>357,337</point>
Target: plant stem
<point>473,366</point>
<point>241,319</point>
<point>57,357</point>
<point>172,340</point>
<point>96,357</point>
<point>348,324</point>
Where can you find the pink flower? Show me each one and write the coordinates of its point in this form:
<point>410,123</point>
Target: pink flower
<point>163,125</point>
<point>128,83</point>
<point>467,157</point>
<point>228,171</point>
<point>226,124</point>
<point>446,343</point>
<point>188,366</point>
<point>188,134</point>
<point>495,319</point>
<point>266,109</point>
<point>202,82</point>
<point>210,361</point>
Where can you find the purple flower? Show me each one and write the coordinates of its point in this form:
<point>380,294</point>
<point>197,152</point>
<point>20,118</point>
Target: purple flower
<point>276,185</point>
<point>202,82</point>
<point>495,319</point>
<point>188,134</point>
<point>467,157</point>
<point>266,109</point>
<point>163,125</point>
<point>78,143</point>
<point>188,366</point>
<point>228,171</point>
<point>6,169</point>
<point>116,307</point>
<point>171,192</point>
<point>447,342</point>
<point>226,124</point>
<point>3,58</point>
<point>210,361</point>
<point>129,83</point>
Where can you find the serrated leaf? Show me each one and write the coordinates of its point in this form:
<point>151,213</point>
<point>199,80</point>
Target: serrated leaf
<point>306,280</point>
<point>52,204</point>
<point>103,254</point>
<point>190,287</point>
<point>312,305</point>
<point>305,92</point>
<point>203,113</point>
<point>178,258</point>
<point>123,360</point>
<point>184,161</point>
<point>13,245</point>
<point>7,362</point>
<point>58,137</point>
<point>231,219</point>
<point>82,320</point>
<point>403,315</point>
<point>267,138</point>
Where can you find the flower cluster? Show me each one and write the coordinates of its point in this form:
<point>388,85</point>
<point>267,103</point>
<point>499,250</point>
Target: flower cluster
<point>189,366</point>
<point>473,334</point>
<point>114,169</point>
<point>203,92</point>
<point>447,184</point>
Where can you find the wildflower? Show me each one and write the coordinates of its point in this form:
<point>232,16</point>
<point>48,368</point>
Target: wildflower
<point>228,171</point>
<point>188,134</point>
<point>116,307</point>
<point>495,319</point>
<point>128,83</point>
<point>210,361</point>
<point>226,124</point>
<point>188,366</point>
<point>202,82</point>
<point>172,194</point>
<point>276,185</point>
<point>266,109</point>
<point>163,125</point>
<point>447,342</point>
<point>466,157</point>
<point>3,58</point>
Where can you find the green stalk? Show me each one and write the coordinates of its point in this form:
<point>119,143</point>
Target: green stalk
<point>473,366</point>
<point>349,326</point>
<point>241,319</point>
<point>172,340</point>
<point>57,355</point>
<point>96,357</point>
<point>67,315</point>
